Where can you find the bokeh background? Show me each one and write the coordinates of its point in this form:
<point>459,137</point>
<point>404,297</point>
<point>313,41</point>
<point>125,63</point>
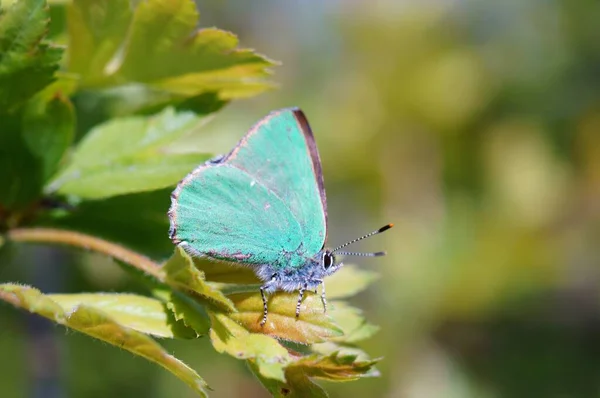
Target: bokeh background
<point>474,126</point>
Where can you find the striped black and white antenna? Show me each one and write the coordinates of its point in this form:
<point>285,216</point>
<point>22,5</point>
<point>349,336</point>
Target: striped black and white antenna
<point>374,254</point>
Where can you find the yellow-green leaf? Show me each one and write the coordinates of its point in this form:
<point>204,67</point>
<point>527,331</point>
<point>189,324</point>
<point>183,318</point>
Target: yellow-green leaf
<point>96,323</point>
<point>181,273</point>
<point>97,29</point>
<point>156,42</point>
<point>331,347</point>
<point>190,313</point>
<point>127,155</point>
<point>348,281</point>
<point>297,385</point>
<point>335,367</point>
<point>313,326</point>
<point>269,357</point>
<point>144,314</point>
<point>352,323</point>
<point>299,373</point>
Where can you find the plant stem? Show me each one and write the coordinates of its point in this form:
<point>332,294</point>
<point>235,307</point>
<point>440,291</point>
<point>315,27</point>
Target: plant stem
<point>10,298</point>
<point>77,239</point>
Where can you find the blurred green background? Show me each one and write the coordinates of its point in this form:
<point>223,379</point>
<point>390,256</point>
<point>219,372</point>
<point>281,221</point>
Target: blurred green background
<point>474,126</point>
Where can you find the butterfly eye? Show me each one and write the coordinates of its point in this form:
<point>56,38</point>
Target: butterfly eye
<point>328,260</point>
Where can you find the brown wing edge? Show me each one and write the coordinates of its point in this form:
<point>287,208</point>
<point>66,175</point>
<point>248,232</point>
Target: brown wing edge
<point>310,143</point>
<point>314,156</point>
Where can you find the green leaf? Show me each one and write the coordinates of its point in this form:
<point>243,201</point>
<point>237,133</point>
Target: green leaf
<point>49,125</point>
<point>313,326</point>
<point>128,155</point>
<point>142,99</point>
<point>156,43</point>
<point>27,62</point>
<point>21,179</point>
<point>124,176</point>
<point>96,323</point>
<point>97,29</point>
<point>352,323</point>
<point>144,314</point>
<point>335,367</point>
<point>298,385</point>
<point>331,347</point>
<point>180,273</point>
<point>348,281</point>
<point>269,357</point>
<point>190,313</point>
<point>32,142</point>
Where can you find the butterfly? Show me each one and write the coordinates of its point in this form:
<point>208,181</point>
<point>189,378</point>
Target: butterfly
<point>263,205</point>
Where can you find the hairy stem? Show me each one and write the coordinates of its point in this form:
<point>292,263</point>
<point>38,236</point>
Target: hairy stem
<point>77,239</point>
<point>10,298</point>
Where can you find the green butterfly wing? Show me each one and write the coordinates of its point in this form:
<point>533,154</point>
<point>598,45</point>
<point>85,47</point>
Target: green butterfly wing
<point>262,202</point>
<point>280,151</point>
<point>222,212</point>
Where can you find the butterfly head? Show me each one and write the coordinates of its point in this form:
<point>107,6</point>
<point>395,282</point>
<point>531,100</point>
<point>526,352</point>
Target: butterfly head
<point>329,263</point>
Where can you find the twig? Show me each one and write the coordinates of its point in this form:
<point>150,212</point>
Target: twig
<point>10,298</point>
<point>77,239</point>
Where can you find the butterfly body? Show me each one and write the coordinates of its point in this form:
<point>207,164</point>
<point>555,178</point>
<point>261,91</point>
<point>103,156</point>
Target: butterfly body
<point>309,273</point>
<point>262,205</point>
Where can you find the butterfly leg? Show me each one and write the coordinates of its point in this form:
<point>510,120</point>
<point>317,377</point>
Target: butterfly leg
<point>323,298</point>
<point>265,308</point>
<point>266,286</point>
<point>301,291</point>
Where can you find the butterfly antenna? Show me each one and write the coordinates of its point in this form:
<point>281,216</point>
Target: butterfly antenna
<point>376,254</point>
